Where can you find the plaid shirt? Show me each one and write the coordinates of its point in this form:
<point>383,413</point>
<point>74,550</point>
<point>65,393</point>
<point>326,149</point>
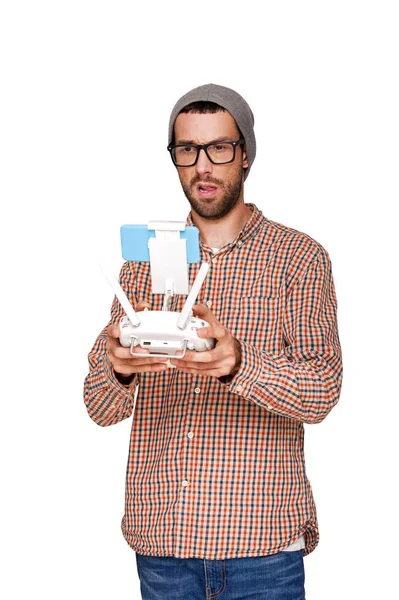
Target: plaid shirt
<point>216,466</point>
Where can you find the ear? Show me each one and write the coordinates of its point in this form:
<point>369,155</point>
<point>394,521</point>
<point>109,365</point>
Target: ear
<point>244,158</point>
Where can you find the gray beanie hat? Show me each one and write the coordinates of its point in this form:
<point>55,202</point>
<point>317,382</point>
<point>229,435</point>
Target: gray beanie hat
<point>232,102</point>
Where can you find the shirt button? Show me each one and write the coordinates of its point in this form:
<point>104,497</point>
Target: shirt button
<point>239,243</point>
<point>185,483</point>
<point>239,388</point>
<point>208,303</point>
<point>197,390</point>
<point>214,260</point>
<point>190,435</point>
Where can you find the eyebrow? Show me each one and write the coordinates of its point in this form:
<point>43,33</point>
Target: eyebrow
<point>222,138</point>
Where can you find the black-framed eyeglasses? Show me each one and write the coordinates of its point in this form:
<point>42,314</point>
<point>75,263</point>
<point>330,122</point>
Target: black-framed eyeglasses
<point>219,153</point>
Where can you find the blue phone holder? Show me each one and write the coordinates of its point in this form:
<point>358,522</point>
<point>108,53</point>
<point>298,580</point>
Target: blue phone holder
<point>135,238</point>
<point>168,246</point>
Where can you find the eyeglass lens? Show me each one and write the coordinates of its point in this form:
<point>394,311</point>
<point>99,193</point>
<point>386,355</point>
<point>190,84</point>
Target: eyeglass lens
<point>185,156</point>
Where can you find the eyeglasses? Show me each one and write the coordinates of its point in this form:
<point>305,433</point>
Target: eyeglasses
<point>219,153</point>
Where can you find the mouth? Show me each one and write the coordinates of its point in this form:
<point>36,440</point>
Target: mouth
<point>206,190</point>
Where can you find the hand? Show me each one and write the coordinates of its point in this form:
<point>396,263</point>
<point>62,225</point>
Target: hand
<point>224,359</point>
<point>123,362</point>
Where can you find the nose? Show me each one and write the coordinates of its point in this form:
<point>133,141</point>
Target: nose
<point>203,164</point>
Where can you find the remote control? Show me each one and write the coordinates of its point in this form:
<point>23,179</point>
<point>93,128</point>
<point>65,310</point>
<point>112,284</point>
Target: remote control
<point>162,332</point>
<point>159,333</point>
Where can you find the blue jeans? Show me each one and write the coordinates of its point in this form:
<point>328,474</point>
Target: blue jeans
<point>276,577</point>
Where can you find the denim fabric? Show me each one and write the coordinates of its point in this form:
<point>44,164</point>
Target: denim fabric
<point>276,577</point>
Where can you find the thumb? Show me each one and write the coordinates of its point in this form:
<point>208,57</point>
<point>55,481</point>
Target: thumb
<point>142,305</point>
<point>203,312</point>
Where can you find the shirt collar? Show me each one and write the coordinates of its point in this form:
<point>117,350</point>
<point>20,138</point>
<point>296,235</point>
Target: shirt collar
<point>250,228</point>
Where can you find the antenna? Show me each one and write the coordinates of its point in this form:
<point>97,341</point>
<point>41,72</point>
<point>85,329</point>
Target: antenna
<point>189,303</point>
<point>120,294</point>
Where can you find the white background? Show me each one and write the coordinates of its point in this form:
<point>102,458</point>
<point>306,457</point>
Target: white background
<point>87,88</point>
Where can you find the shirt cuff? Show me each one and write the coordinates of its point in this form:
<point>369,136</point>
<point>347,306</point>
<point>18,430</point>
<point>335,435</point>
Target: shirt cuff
<point>113,381</point>
<point>247,375</point>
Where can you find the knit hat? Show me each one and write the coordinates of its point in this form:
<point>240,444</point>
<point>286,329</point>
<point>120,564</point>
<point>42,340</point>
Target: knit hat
<point>232,102</point>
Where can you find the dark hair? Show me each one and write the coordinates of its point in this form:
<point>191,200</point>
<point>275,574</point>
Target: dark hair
<point>203,107</point>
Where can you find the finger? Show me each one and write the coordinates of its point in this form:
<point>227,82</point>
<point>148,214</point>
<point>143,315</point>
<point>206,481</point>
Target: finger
<point>197,367</point>
<point>140,369</point>
<point>113,331</point>
<point>114,347</point>
<point>142,305</point>
<point>217,332</point>
<point>206,356</point>
<point>200,362</point>
<point>216,372</point>
<point>202,312</point>
<point>143,358</point>
<point>133,364</point>
<point>139,350</point>
<point>152,368</point>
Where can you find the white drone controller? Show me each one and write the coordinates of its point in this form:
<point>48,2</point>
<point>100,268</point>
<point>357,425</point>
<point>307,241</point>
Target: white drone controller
<point>162,332</point>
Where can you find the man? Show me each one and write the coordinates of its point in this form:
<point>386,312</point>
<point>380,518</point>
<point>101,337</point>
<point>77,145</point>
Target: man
<point>217,500</point>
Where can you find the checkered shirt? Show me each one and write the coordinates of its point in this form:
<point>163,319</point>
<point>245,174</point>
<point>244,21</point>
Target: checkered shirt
<point>216,466</point>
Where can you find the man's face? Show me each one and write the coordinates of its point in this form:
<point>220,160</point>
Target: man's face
<point>212,190</point>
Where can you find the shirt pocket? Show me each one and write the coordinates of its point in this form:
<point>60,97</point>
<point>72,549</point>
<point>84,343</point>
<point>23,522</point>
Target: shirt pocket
<point>258,321</point>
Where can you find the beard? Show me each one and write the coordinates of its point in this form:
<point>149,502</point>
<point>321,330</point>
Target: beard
<point>215,209</point>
